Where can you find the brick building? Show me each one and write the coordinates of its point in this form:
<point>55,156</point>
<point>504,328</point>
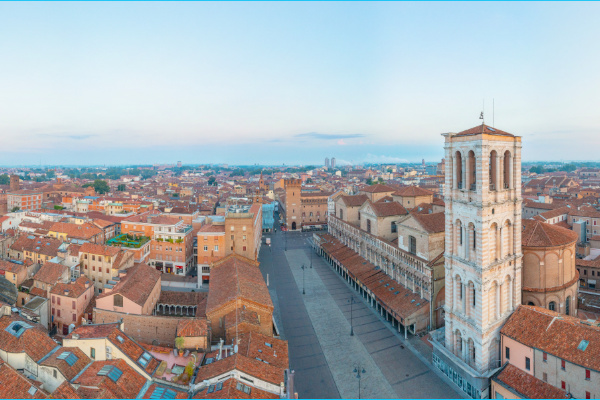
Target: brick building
<point>26,200</point>
<point>238,300</point>
<point>303,208</point>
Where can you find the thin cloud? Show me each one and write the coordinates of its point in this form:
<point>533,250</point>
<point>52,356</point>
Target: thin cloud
<point>328,136</point>
<point>68,136</point>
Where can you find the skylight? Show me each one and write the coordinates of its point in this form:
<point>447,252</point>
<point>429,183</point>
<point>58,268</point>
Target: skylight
<point>583,345</point>
<point>144,359</point>
<point>111,371</point>
<point>32,390</point>
<point>69,357</point>
<point>16,328</point>
<point>120,339</point>
<point>268,344</point>
<point>163,393</point>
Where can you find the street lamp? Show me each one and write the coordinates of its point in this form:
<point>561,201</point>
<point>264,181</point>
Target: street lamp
<point>311,254</point>
<point>303,268</point>
<point>351,301</point>
<point>359,371</point>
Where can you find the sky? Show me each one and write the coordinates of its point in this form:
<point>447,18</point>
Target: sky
<point>122,83</point>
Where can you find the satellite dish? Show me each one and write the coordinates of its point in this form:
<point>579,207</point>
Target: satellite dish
<point>235,349</point>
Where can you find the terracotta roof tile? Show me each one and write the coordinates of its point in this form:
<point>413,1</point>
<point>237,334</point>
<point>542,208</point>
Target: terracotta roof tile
<point>236,277</point>
<point>556,334</point>
<point>412,191</point>
<point>68,371</point>
<point>94,386</point>
<point>137,284</point>
<point>527,385</point>
<point>483,129</point>
<point>13,385</point>
<point>541,234</point>
<point>50,272</point>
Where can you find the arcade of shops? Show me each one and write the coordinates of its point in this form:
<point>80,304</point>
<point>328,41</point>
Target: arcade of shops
<point>403,308</point>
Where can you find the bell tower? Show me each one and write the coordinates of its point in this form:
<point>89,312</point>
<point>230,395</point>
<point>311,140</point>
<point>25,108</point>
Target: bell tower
<point>483,252</point>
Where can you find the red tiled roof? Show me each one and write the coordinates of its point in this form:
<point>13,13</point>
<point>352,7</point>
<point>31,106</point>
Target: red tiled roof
<point>526,385</point>
<point>483,129</point>
<point>34,341</point>
<point>137,284</point>
<point>556,334</point>
<point>101,249</point>
<point>541,234</point>
<point>94,386</point>
<point>15,386</point>
<point>432,223</point>
<point>68,371</point>
<point>84,231</point>
<point>388,209</point>
<point>65,391</point>
<point>354,201</point>
<point>412,191</point>
<point>50,272</point>
<point>378,188</point>
<point>193,327</point>
<point>230,391</point>
<point>236,277</point>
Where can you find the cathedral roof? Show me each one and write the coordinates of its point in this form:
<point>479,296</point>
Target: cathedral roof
<point>541,234</point>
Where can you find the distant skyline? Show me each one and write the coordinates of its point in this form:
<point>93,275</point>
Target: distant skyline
<point>122,83</point>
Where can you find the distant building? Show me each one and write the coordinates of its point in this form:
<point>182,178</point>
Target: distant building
<point>178,164</point>
<point>327,162</point>
<point>27,200</point>
<point>332,162</point>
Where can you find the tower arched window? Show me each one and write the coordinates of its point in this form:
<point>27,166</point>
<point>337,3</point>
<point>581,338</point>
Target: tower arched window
<point>493,170</point>
<point>568,305</point>
<point>458,170</point>
<point>552,306</point>
<point>507,169</point>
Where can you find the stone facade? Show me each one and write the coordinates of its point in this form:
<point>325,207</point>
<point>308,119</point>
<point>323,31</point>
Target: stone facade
<point>483,251</point>
<point>550,278</point>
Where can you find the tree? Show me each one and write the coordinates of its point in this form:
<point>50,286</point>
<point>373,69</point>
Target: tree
<point>309,180</point>
<point>50,174</point>
<point>4,179</point>
<point>381,180</point>
<point>179,343</point>
<point>14,209</point>
<point>57,207</point>
<point>212,181</point>
<point>189,368</point>
<point>100,186</point>
<point>121,187</point>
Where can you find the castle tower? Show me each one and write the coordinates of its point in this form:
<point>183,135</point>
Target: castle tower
<point>293,204</point>
<point>483,253</point>
<point>14,183</point>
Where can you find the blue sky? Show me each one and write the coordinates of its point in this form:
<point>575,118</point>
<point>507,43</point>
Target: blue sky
<point>273,83</point>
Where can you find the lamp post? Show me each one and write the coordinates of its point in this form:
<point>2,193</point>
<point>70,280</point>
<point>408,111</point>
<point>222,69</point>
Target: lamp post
<point>311,254</point>
<point>359,371</point>
<point>303,268</point>
<point>351,301</point>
